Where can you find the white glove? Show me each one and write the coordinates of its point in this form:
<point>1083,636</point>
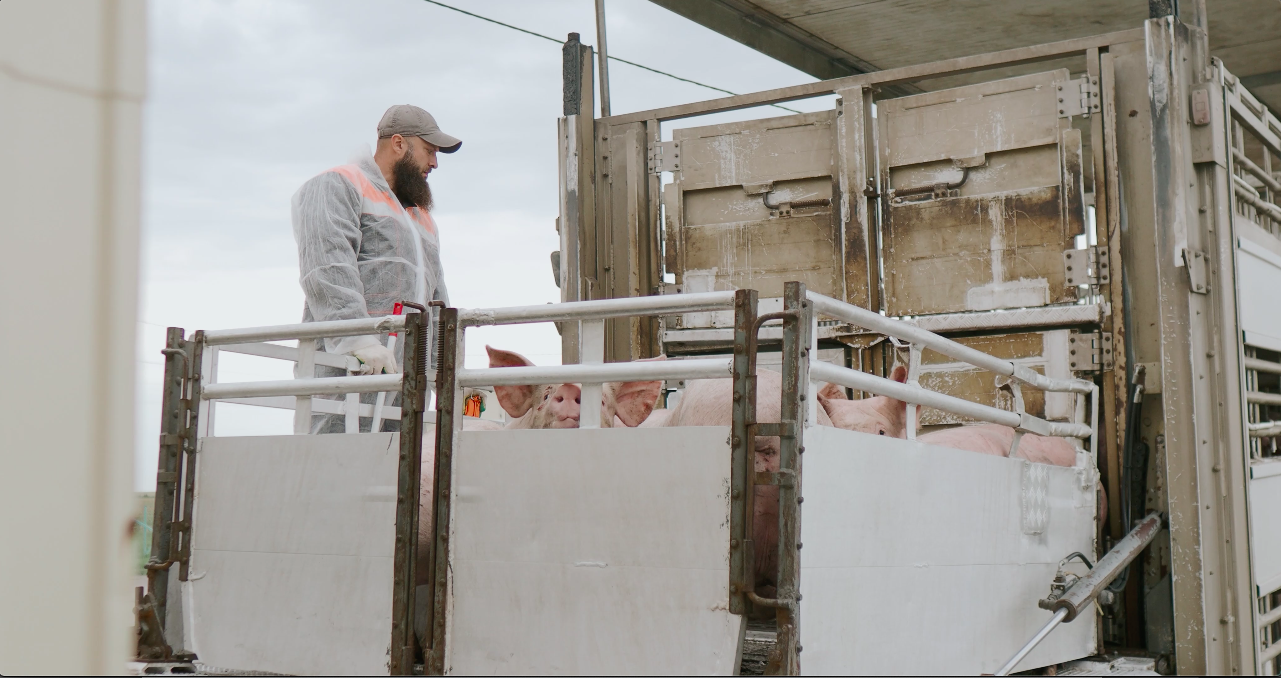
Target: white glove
<point>376,359</point>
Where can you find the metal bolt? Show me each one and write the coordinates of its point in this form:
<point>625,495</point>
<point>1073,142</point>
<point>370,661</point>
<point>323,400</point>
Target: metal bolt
<point>800,500</point>
<point>799,545</point>
<point>801,450</point>
<point>735,494</point>
<point>733,588</point>
<point>733,543</point>
<point>802,397</point>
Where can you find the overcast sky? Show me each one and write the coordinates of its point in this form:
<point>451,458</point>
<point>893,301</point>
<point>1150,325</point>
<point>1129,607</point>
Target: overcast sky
<point>248,99</point>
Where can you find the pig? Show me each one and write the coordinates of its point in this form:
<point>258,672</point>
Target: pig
<point>878,415</point>
<point>995,440</point>
<point>552,406</point>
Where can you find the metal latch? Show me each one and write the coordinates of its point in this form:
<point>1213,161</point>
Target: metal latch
<point>1078,97</point>
<point>1090,351</point>
<point>1086,267</point>
<point>665,156</point>
<point>1195,263</point>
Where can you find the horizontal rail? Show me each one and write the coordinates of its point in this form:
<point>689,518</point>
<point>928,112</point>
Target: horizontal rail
<point>303,387</point>
<point>701,368</point>
<point>598,309</point>
<point>1266,208</point>
<point>1262,365</point>
<point>1249,166</point>
<point>290,353</point>
<point>315,330</point>
<point>1265,429</point>
<point>902,330</point>
<point>843,376</point>
<point>1263,398</point>
<point>318,405</point>
<point>1271,617</point>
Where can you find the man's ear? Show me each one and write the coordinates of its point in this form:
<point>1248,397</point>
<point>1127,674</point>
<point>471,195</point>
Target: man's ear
<point>831,391</point>
<point>515,400</point>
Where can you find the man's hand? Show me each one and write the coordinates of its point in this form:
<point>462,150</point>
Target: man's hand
<point>376,360</point>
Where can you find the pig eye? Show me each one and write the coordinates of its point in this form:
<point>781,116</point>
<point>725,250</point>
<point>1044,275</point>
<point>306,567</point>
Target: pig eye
<point>578,401</point>
<point>881,433</point>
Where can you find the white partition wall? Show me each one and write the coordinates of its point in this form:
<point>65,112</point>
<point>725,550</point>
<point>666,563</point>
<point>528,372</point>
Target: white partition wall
<point>924,560</point>
<point>586,551</point>
<point>291,564</point>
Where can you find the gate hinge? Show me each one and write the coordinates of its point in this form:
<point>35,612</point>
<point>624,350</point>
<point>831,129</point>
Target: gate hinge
<point>664,156</point>
<point>1090,351</point>
<point>1078,97</point>
<point>1089,266</point>
<point>1195,263</point>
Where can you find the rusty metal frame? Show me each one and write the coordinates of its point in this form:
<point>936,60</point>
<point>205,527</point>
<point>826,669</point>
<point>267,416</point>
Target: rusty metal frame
<point>742,466</point>
<point>413,402</point>
<point>175,492</point>
<point>449,355</point>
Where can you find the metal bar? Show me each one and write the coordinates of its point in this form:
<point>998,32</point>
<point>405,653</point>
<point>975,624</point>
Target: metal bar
<point>902,330</point>
<point>1262,365</point>
<point>304,387</point>
<point>796,359</point>
<point>1269,653</point>
<point>1031,644</point>
<point>172,417</point>
<point>291,353</point>
<point>1271,617</point>
<point>1249,166</point>
<point>1081,595</point>
<point>591,343</point>
<point>1263,398</point>
<point>318,405</point>
<point>602,59</point>
<point>599,308</point>
<point>1009,57</point>
<point>305,370</point>
<point>1268,209</point>
<point>1266,429</point>
<point>450,349</point>
<point>409,477</point>
<point>191,447</point>
<point>742,580</point>
<point>1045,316</point>
<point>821,371</point>
<point>314,330</point>
<point>700,368</point>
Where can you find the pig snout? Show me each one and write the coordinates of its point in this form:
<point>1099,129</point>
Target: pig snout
<point>565,405</point>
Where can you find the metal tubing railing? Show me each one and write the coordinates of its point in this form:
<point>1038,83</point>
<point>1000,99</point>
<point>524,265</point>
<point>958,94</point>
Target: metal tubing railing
<point>303,387</point>
<point>842,376</point>
<point>702,368</point>
<point>907,332</point>
<point>598,309</point>
<point>315,330</point>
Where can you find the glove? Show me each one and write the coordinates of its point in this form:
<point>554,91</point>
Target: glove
<point>376,359</point>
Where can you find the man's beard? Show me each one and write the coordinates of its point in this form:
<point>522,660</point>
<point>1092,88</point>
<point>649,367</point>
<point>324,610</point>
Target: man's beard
<point>407,182</point>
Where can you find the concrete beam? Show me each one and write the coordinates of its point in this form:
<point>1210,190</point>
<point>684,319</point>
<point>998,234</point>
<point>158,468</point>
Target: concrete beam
<point>773,36</point>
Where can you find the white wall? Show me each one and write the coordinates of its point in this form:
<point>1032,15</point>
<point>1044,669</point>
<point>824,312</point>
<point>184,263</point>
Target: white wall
<point>72,78</point>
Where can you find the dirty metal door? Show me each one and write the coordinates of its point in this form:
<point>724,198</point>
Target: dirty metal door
<point>753,205</point>
<point>591,551</point>
<point>982,192</point>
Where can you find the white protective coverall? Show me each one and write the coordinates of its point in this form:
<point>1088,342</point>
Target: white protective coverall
<point>360,252</point>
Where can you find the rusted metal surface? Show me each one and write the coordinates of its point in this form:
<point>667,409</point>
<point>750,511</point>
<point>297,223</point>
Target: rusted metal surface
<point>742,482</point>
<point>413,397</point>
<point>447,426</point>
<point>191,405</point>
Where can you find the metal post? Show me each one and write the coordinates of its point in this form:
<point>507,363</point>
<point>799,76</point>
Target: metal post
<point>742,579</point>
<point>796,358</point>
<point>195,349</point>
<point>448,346</point>
<point>602,59</point>
<point>412,404</point>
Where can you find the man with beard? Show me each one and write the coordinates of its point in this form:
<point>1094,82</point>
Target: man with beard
<point>366,240</point>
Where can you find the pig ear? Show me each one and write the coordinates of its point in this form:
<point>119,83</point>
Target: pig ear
<point>515,400</point>
<point>899,374</point>
<point>831,391</point>
<point>635,400</point>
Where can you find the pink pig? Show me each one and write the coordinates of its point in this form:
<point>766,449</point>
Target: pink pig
<point>558,406</point>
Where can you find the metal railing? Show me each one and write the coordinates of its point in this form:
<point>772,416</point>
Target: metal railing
<point>913,394</point>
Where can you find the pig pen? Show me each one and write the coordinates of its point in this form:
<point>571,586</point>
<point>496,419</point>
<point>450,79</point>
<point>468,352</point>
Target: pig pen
<point>600,550</point>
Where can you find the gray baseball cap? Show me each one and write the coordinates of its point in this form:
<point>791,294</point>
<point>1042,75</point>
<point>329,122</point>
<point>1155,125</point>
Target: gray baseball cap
<point>412,121</point>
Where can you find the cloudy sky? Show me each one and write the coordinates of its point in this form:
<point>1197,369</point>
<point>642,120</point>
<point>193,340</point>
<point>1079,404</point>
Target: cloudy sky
<point>248,99</point>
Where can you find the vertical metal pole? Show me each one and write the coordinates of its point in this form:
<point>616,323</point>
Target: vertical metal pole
<point>448,345</point>
<point>306,370</point>
<point>591,336</point>
<point>796,357</point>
<point>191,425</point>
<point>172,421</point>
<point>413,400</point>
<point>602,57</point>
<point>742,579</point>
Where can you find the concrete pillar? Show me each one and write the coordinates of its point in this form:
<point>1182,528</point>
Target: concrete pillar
<point>72,79</point>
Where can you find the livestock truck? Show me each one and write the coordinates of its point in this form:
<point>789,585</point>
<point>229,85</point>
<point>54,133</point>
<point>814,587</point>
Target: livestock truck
<point>1074,239</point>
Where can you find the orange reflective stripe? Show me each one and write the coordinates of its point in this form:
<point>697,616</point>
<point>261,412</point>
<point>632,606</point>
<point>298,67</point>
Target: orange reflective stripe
<point>365,186</point>
<point>424,219</point>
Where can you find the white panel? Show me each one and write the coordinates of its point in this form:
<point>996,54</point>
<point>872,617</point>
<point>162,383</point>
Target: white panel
<point>917,558</point>
<point>292,548</point>
<point>1265,533</point>
<point>599,551</point>
<point>1259,278</point>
